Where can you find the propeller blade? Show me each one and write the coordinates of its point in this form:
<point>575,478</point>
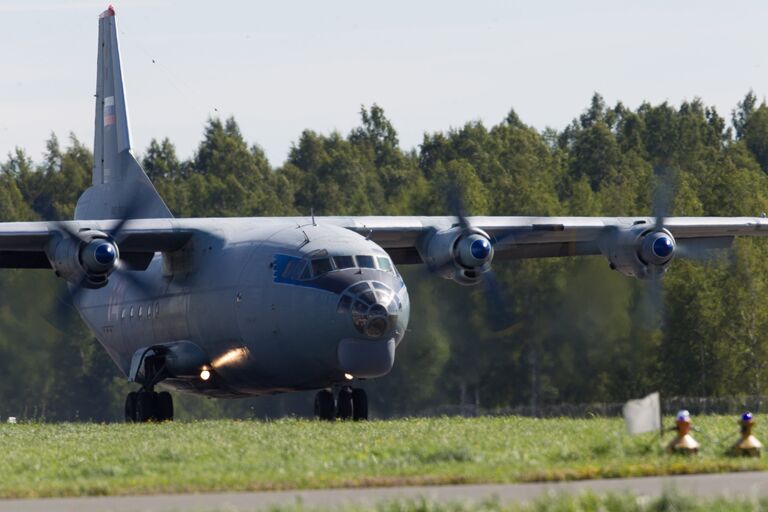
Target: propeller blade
<point>703,249</point>
<point>662,196</point>
<point>457,207</point>
<point>64,307</point>
<point>129,275</point>
<point>498,313</point>
<point>651,307</point>
<point>128,215</point>
<point>66,228</point>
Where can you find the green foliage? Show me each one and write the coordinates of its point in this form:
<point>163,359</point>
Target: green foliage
<point>581,335</point>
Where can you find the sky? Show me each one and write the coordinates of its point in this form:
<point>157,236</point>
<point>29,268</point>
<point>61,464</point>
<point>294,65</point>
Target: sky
<point>282,67</point>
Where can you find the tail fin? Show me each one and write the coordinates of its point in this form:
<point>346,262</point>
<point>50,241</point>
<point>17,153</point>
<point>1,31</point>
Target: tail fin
<point>120,187</point>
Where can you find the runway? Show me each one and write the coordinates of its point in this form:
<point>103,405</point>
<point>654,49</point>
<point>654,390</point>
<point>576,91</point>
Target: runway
<point>743,485</point>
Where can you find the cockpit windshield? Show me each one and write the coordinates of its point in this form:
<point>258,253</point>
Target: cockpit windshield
<point>343,262</point>
<point>385,264</point>
<point>317,266</point>
<point>321,266</point>
<point>366,262</point>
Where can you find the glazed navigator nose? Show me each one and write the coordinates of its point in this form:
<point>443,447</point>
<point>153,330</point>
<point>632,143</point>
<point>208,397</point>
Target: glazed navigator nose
<point>373,307</point>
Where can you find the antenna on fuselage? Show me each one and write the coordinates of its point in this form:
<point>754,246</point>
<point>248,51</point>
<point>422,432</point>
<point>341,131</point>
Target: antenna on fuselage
<point>312,214</point>
<point>306,239</point>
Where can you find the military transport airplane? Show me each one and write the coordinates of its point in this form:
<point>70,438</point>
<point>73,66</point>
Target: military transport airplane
<point>234,307</point>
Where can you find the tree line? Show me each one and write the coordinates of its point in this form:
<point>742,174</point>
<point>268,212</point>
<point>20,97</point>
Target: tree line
<point>581,331</point>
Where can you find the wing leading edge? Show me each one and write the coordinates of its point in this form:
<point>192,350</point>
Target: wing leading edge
<point>543,237</point>
<point>24,244</point>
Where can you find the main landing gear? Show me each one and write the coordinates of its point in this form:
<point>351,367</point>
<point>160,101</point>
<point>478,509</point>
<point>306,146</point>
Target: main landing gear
<point>351,403</point>
<point>145,405</point>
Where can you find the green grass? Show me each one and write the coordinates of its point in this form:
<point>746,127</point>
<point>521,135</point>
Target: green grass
<point>93,459</point>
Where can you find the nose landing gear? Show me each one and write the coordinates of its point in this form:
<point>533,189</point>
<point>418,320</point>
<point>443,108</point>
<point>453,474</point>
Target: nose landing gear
<point>351,403</point>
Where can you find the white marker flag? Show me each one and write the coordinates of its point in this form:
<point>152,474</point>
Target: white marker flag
<point>643,415</point>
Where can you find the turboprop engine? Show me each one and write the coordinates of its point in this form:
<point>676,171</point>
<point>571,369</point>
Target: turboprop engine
<point>87,259</point>
<point>462,254</point>
<point>644,254</point>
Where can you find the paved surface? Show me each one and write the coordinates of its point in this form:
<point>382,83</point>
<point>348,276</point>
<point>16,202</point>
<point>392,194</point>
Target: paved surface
<point>743,485</point>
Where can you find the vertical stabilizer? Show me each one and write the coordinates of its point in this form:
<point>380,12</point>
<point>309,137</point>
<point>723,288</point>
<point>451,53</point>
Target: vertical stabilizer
<point>120,187</point>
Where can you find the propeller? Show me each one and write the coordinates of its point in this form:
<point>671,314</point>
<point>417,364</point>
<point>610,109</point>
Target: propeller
<point>652,297</point>
<point>103,254</point>
<point>498,313</point>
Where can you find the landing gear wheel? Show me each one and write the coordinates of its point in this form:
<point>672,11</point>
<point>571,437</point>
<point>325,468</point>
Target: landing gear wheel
<point>164,403</point>
<point>359,404</point>
<point>344,403</point>
<point>130,407</point>
<point>146,406</point>
<point>324,406</point>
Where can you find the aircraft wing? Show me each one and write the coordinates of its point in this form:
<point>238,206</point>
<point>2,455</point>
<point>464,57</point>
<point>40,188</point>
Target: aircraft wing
<point>24,244</point>
<point>541,237</point>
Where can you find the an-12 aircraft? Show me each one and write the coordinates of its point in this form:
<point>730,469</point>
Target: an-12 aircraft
<point>236,307</point>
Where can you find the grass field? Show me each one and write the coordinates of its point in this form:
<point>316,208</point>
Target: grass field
<point>93,459</point>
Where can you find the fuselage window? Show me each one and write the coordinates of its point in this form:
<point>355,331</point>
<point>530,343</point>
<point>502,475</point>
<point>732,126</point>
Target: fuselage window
<point>141,311</point>
<point>344,262</point>
<point>122,315</point>
<point>366,262</point>
<point>157,309</point>
<point>385,264</point>
<point>149,310</point>
<point>131,313</point>
<point>320,266</point>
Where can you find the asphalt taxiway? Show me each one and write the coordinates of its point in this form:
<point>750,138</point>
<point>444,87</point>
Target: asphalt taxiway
<point>742,485</point>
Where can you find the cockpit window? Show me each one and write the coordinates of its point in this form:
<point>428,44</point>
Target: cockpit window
<point>293,269</point>
<point>385,264</point>
<point>344,262</point>
<point>306,274</point>
<point>366,262</point>
<point>320,266</point>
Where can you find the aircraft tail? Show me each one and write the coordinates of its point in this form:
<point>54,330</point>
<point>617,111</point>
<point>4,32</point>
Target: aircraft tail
<point>120,187</point>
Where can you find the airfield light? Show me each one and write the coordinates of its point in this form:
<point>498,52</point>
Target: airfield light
<point>349,376</point>
<point>205,374</point>
<point>683,442</point>
<point>747,445</point>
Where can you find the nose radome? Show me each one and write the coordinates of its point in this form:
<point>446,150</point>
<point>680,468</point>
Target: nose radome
<point>373,307</point>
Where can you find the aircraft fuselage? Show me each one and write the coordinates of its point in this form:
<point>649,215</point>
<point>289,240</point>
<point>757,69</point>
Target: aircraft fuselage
<point>276,306</point>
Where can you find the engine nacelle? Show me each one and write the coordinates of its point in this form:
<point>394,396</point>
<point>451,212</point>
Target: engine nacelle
<point>460,254</point>
<point>176,359</point>
<point>88,260</point>
<point>642,253</point>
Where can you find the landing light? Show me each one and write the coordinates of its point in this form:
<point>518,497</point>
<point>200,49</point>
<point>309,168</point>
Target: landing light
<point>349,376</point>
<point>205,375</point>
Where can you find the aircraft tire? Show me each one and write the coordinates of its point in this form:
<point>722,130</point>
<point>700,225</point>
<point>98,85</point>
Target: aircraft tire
<point>130,407</point>
<point>164,403</point>
<point>324,406</point>
<point>359,404</point>
<point>146,406</point>
<point>344,407</point>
